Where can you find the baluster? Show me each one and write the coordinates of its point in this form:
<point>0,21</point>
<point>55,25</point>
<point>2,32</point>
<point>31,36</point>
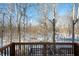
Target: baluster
<point>66,51</point>
<point>24,49</point>
<point>37,46</point>
<point>71,52</point>
<point>2,53</point>
<point>28,50</point>
<point>37,51</point>
<point>21,50</point>
<point>17,50</point>
<point>5,52</point>
<point>8,51</point>
<point>44,51</point>
<point>41,48</point>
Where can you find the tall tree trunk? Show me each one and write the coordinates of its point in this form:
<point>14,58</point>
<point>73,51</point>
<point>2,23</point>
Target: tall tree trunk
<point>10,29</point>
<point>54,36</point>
<point>2,31</point>
<point>73,35</point>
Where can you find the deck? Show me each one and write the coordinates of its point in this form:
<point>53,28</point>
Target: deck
<point>40,49</point>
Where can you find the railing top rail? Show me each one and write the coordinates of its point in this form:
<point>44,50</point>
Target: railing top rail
<point>61,43</point>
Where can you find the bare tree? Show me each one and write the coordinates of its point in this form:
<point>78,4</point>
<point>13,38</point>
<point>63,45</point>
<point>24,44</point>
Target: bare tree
<point>2,26</point>
<point>44,19</point>
<point>74,21</point>
<point>21,16</point>
<point>53,21</point>
<point>11,9</point>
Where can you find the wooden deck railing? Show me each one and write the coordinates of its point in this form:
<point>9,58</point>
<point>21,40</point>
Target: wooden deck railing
<point>39,49</point>
<point>7,50</point>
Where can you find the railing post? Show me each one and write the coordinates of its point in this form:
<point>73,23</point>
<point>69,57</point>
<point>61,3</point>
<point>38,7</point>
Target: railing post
<point>76,49</point>
<point>12,50</point>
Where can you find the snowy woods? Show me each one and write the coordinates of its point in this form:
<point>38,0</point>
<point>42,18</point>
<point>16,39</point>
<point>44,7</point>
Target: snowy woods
<point>37,23</point>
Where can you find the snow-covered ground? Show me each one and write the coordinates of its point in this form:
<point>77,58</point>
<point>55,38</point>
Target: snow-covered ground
<point>60,37</point>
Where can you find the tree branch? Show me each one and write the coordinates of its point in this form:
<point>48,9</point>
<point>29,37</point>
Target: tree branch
<point>75,21</point>
<point>51,21</point>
